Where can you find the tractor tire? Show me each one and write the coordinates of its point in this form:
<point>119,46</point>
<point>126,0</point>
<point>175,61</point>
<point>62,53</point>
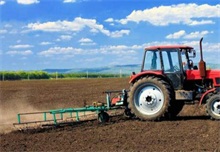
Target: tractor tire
<point>103,117</point>
<point>149,98</point>
<point>213,106</point>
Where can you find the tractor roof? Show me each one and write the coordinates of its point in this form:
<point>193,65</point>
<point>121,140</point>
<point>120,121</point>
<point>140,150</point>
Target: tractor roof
<point>168,47</point>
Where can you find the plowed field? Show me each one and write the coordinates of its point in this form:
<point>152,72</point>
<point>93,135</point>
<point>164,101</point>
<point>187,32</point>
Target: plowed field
<point>192,131</point>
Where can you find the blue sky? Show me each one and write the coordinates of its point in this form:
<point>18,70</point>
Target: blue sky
<point>39,34</point>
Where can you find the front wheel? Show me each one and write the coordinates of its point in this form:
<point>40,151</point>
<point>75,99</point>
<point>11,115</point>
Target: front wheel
<point>213,106</point>
<point>149,98</point>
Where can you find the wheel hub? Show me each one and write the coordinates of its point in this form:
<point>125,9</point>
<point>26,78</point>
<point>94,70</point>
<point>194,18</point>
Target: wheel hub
<point>150,100</point>
<point>216,107</point>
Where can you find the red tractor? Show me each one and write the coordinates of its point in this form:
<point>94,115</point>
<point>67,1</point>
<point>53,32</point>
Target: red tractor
<point>168,80</point>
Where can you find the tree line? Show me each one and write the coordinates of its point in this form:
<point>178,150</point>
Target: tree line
<point>28,75</point>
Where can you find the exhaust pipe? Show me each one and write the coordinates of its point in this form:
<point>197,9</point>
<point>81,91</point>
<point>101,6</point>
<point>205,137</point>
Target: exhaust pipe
<point>202,64</point>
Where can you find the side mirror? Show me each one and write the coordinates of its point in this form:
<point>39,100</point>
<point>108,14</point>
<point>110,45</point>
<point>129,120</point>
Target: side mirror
<point>192,53</point>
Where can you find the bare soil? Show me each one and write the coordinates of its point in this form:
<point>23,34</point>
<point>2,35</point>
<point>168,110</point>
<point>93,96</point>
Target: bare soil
<point>191,131</point>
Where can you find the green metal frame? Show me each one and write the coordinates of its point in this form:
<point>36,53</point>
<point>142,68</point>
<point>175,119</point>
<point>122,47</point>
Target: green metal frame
<point>60,112</point>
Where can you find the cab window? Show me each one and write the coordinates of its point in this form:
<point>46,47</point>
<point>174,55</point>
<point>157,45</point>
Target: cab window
<point>170,60</point>
<point>152,61</point>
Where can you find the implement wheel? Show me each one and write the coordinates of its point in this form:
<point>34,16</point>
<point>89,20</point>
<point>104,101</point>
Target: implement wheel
<point>103,117</point>
<point>149,98</point>
<point>213,106</point>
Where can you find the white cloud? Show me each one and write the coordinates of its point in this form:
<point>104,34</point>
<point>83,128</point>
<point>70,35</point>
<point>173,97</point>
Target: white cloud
<point>45,43</point>
<point>192,35</point>
<point>27,2</point>
<point>176,35</point>
<point>129,54</point>
<point>3,31</point>
<point>188,14</point>
<point>27,52</point>
<point>76,25</point>
<point>119,50</point>
<point>88,44</point>
<point>65,37</point>
<point>207,46</point>
<point>21,46</point>
<point>193,23</point>
<point>69,1</point>
<point>85,40</point>
<point>109,20</point>
<point>94,30</point>
<point>123,47</point>
<point>120,33</point>
<point>60,51</point>
<point>197,34</point>
<point>2,2</point>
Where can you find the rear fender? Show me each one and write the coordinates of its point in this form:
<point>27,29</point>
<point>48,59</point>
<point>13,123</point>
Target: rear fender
<point>136,77</point>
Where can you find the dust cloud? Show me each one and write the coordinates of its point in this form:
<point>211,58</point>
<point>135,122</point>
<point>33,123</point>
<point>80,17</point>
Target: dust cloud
<point>9,111</point>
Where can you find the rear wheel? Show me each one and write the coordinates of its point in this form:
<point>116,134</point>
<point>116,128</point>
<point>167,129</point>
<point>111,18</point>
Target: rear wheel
<point>213,106</point>
<point>149,98</point>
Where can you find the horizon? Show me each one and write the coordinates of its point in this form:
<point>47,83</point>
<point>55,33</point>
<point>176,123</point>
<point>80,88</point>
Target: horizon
<point>110,68</point>
<point>98,33</point>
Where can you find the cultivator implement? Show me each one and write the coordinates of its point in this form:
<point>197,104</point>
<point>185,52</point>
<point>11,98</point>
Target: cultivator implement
<point>60,116</point>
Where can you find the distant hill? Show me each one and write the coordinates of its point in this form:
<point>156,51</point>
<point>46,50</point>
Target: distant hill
<point>57,70</point>
<point>115,69</point>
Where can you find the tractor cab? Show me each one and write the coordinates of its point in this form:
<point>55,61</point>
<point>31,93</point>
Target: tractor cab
<point>171,61</point>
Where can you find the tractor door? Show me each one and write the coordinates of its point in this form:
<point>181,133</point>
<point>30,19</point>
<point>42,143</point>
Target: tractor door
<point>172,67</point>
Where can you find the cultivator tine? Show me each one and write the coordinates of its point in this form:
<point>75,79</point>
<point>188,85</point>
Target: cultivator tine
<point>18,127</point>
<point>24,127</point>
<point>21,127</point>
<point>29,126</point>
